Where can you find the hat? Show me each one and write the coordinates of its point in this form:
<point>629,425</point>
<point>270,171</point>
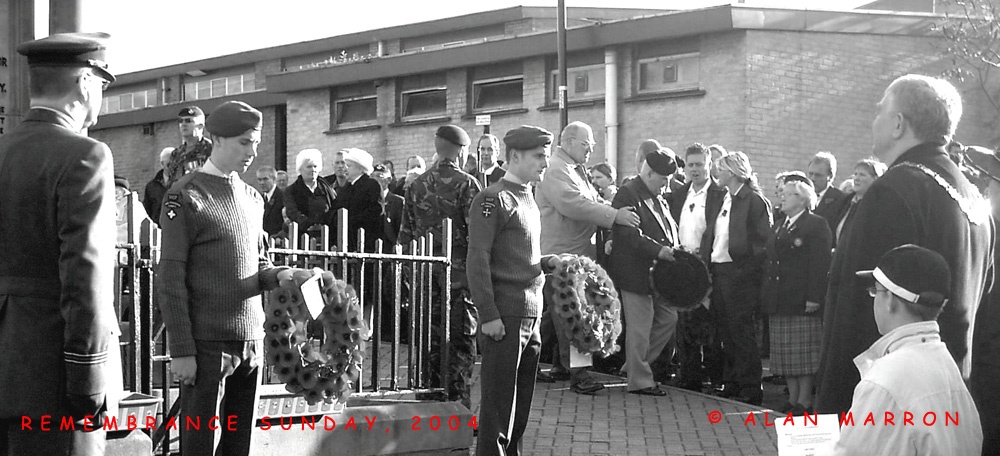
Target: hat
<point>82,50</point>
<point>362,158</point>
<point>453,134</point>
<point>662,161</point>
<point>122,182</point>
<point>191,111</point>
<point>915,274</point>
<point>527,137</point>
<point>233,118</point>
<point>682,283</point>
<point>796,176</point>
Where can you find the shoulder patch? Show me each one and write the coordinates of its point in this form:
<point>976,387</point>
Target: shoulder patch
<point>489,204</point>
<point>173,201</point>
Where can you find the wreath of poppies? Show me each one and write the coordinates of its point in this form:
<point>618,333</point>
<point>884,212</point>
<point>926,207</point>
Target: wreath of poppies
<point>594,323</point>
<point>326,374</point>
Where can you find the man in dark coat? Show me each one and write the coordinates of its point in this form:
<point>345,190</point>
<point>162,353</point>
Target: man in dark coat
<point>360,195</point>
<point>822,171</point>
<point>152,196</point>
<point>274,201</point>
<point>922,199</point>
<point>392,206</point>
<point>57,235</point>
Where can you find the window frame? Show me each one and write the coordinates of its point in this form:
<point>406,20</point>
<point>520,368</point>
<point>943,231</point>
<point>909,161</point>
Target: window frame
<point>474,98</point>
<point>553,97</point>
<point>664,87</point>
<point>404,101</point>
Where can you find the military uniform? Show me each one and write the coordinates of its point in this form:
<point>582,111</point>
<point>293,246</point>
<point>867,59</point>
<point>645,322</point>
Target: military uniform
<point>187,158</point>
<point>445,191</point>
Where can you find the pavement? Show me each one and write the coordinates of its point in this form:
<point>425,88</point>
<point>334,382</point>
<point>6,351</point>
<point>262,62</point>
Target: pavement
<point>613,422</point>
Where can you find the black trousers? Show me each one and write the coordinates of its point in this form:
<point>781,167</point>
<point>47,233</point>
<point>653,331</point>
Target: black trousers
<point>51,442</point>
<point>736,288</point>
<point>700,345</point>
<point>508,384</point>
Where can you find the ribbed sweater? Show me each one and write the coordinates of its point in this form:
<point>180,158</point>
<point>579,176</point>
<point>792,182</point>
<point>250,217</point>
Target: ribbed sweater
<point>213,265</point>
<point>504,262</point>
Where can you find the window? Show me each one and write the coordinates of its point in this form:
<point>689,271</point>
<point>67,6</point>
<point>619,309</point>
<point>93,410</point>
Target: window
<point>128,101</point>
<point>148,129</point>
<point>220,87</point>
<point>423,96</point>
<point>582,83</point>
<point>666,73</point>
<point>353,104</point>
<point>497,87</point>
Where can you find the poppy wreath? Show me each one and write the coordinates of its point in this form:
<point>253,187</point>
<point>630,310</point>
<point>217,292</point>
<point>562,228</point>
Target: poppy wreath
<point>326,374</point>
<point>585,298</point>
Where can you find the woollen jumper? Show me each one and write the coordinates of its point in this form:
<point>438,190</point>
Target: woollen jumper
<point>504,265</point>
<point>213,264</point>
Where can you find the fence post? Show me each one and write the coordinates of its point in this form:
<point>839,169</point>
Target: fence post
<point>396,309</point>
<point>446,308</point>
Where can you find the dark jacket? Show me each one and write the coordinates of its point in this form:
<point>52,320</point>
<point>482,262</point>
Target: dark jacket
<point>844,215</point>
<point>274,222</point>
<point>152,197</point>
<point>392,216</point>
<point>361,199</point>
<point>922,199</point>
<point>749,227</point>
<point>57,235</point>
<point>713,199</point>
<point>831,207</point>
<point>636,248</point>
<point>798,262</point>
<point>309,208</point>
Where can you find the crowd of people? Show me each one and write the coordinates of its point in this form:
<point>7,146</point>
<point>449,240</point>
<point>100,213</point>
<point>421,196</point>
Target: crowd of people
<point>863,292</point>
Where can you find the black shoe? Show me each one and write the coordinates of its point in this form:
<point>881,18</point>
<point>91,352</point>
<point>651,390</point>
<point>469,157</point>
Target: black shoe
<point>727,390</point>
<point>651,391</point>
<point>690,385</point>
<point>588,386</point>
<point>544,377</point>
<point>750,394</point>
<point>796,410</point>
<point>785,408</point>
<point>559,375</point>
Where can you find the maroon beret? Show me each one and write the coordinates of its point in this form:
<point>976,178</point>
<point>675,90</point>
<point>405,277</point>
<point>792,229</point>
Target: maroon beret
<point>233,118</point>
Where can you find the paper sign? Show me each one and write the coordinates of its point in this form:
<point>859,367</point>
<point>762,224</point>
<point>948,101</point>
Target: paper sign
<point>482,120</point>
<point>579,359</point>
<point>313,296</point>
<point>807,437</point>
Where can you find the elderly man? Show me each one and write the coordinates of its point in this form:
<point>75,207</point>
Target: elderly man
<point>58,210</point>
<point>152,196</point>
<point>195,148</point>
<point>446,192</point>
<point>391,206</point>
<point>571,212</point>
<point>360,195</point>
<point>822,171</point>
<point>922,199</point>
<point>651,321</point>
<point>274,201</point>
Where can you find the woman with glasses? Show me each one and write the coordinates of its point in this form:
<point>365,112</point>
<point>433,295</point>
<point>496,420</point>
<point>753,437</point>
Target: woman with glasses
<point>798,260</point>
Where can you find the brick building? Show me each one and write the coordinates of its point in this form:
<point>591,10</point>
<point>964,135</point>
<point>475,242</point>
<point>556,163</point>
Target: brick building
<point>778,84</point>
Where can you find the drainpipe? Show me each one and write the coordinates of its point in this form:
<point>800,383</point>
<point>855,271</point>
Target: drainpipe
<point>611,106</point>
<point>65,16</point>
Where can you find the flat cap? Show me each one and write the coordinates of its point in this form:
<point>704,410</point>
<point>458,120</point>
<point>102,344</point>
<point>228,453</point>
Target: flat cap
<point>796,176</point>
<point>81,50</point>
<point>453,134</point>
<point>233,118</point>
<point>663,161</point>
<point>191,111</point>
<point>915,274</point>
<point>361,157</point>
<point>527,137</point>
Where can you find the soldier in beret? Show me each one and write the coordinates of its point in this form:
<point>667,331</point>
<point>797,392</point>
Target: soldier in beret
<point>213,268</point>
<point>506,278</point>
<point>57,321</point>
<point>445,191</point>
<point>651,320</point>
<point>195,148</point>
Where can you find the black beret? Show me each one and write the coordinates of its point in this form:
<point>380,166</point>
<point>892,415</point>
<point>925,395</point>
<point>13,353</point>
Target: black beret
<point>122,182</point>
<point>915,274</point>
<point>662,161</point>
<point>191,111</point>
<point>527,137</point>
<point>454,134</point>
<point>83,50</point>
<point>683,283</point>
<point>233,118</point>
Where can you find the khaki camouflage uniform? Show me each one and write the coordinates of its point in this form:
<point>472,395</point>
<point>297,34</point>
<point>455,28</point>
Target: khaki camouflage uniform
<point>445,191</point>
<point>187,158</point>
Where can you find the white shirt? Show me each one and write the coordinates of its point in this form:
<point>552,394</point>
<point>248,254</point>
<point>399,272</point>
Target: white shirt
<point>210,168</point>
<point>692,224</point>
<point>910,370</point>
<point>791,220</point>
<point>720,245</point>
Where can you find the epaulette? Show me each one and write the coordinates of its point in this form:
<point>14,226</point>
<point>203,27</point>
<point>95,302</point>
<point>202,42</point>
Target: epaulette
<point>976,208</point>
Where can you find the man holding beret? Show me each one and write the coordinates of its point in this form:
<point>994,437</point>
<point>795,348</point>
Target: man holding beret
<point>571,212</point>
<point>195,148</point>
<point>506,278</point>
<point>445,191</point>
<point>909,370</point>
<point>651,321</point>
<point>213,269</point>
<point>57,210</point>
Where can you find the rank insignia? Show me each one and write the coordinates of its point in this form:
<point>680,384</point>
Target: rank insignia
<point>488,205</point>
<point>171,214</point>
<point>173,201</point>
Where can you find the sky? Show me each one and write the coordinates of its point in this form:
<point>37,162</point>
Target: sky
<point>152,34</point>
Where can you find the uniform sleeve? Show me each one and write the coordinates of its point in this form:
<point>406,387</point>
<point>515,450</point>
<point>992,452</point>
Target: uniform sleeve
<point>819,261</point>
<point>559,190</point>
<point>407,227</point>
<point>267,275</point>
<point>86,218</point>
<point>176,240</point>
<point>629,238</point>
<point>487,217</point>
<point>880,438</point>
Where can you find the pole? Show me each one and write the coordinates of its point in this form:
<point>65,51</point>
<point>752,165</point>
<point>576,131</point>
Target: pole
<point>561,37</point>
<point>65,16</point>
